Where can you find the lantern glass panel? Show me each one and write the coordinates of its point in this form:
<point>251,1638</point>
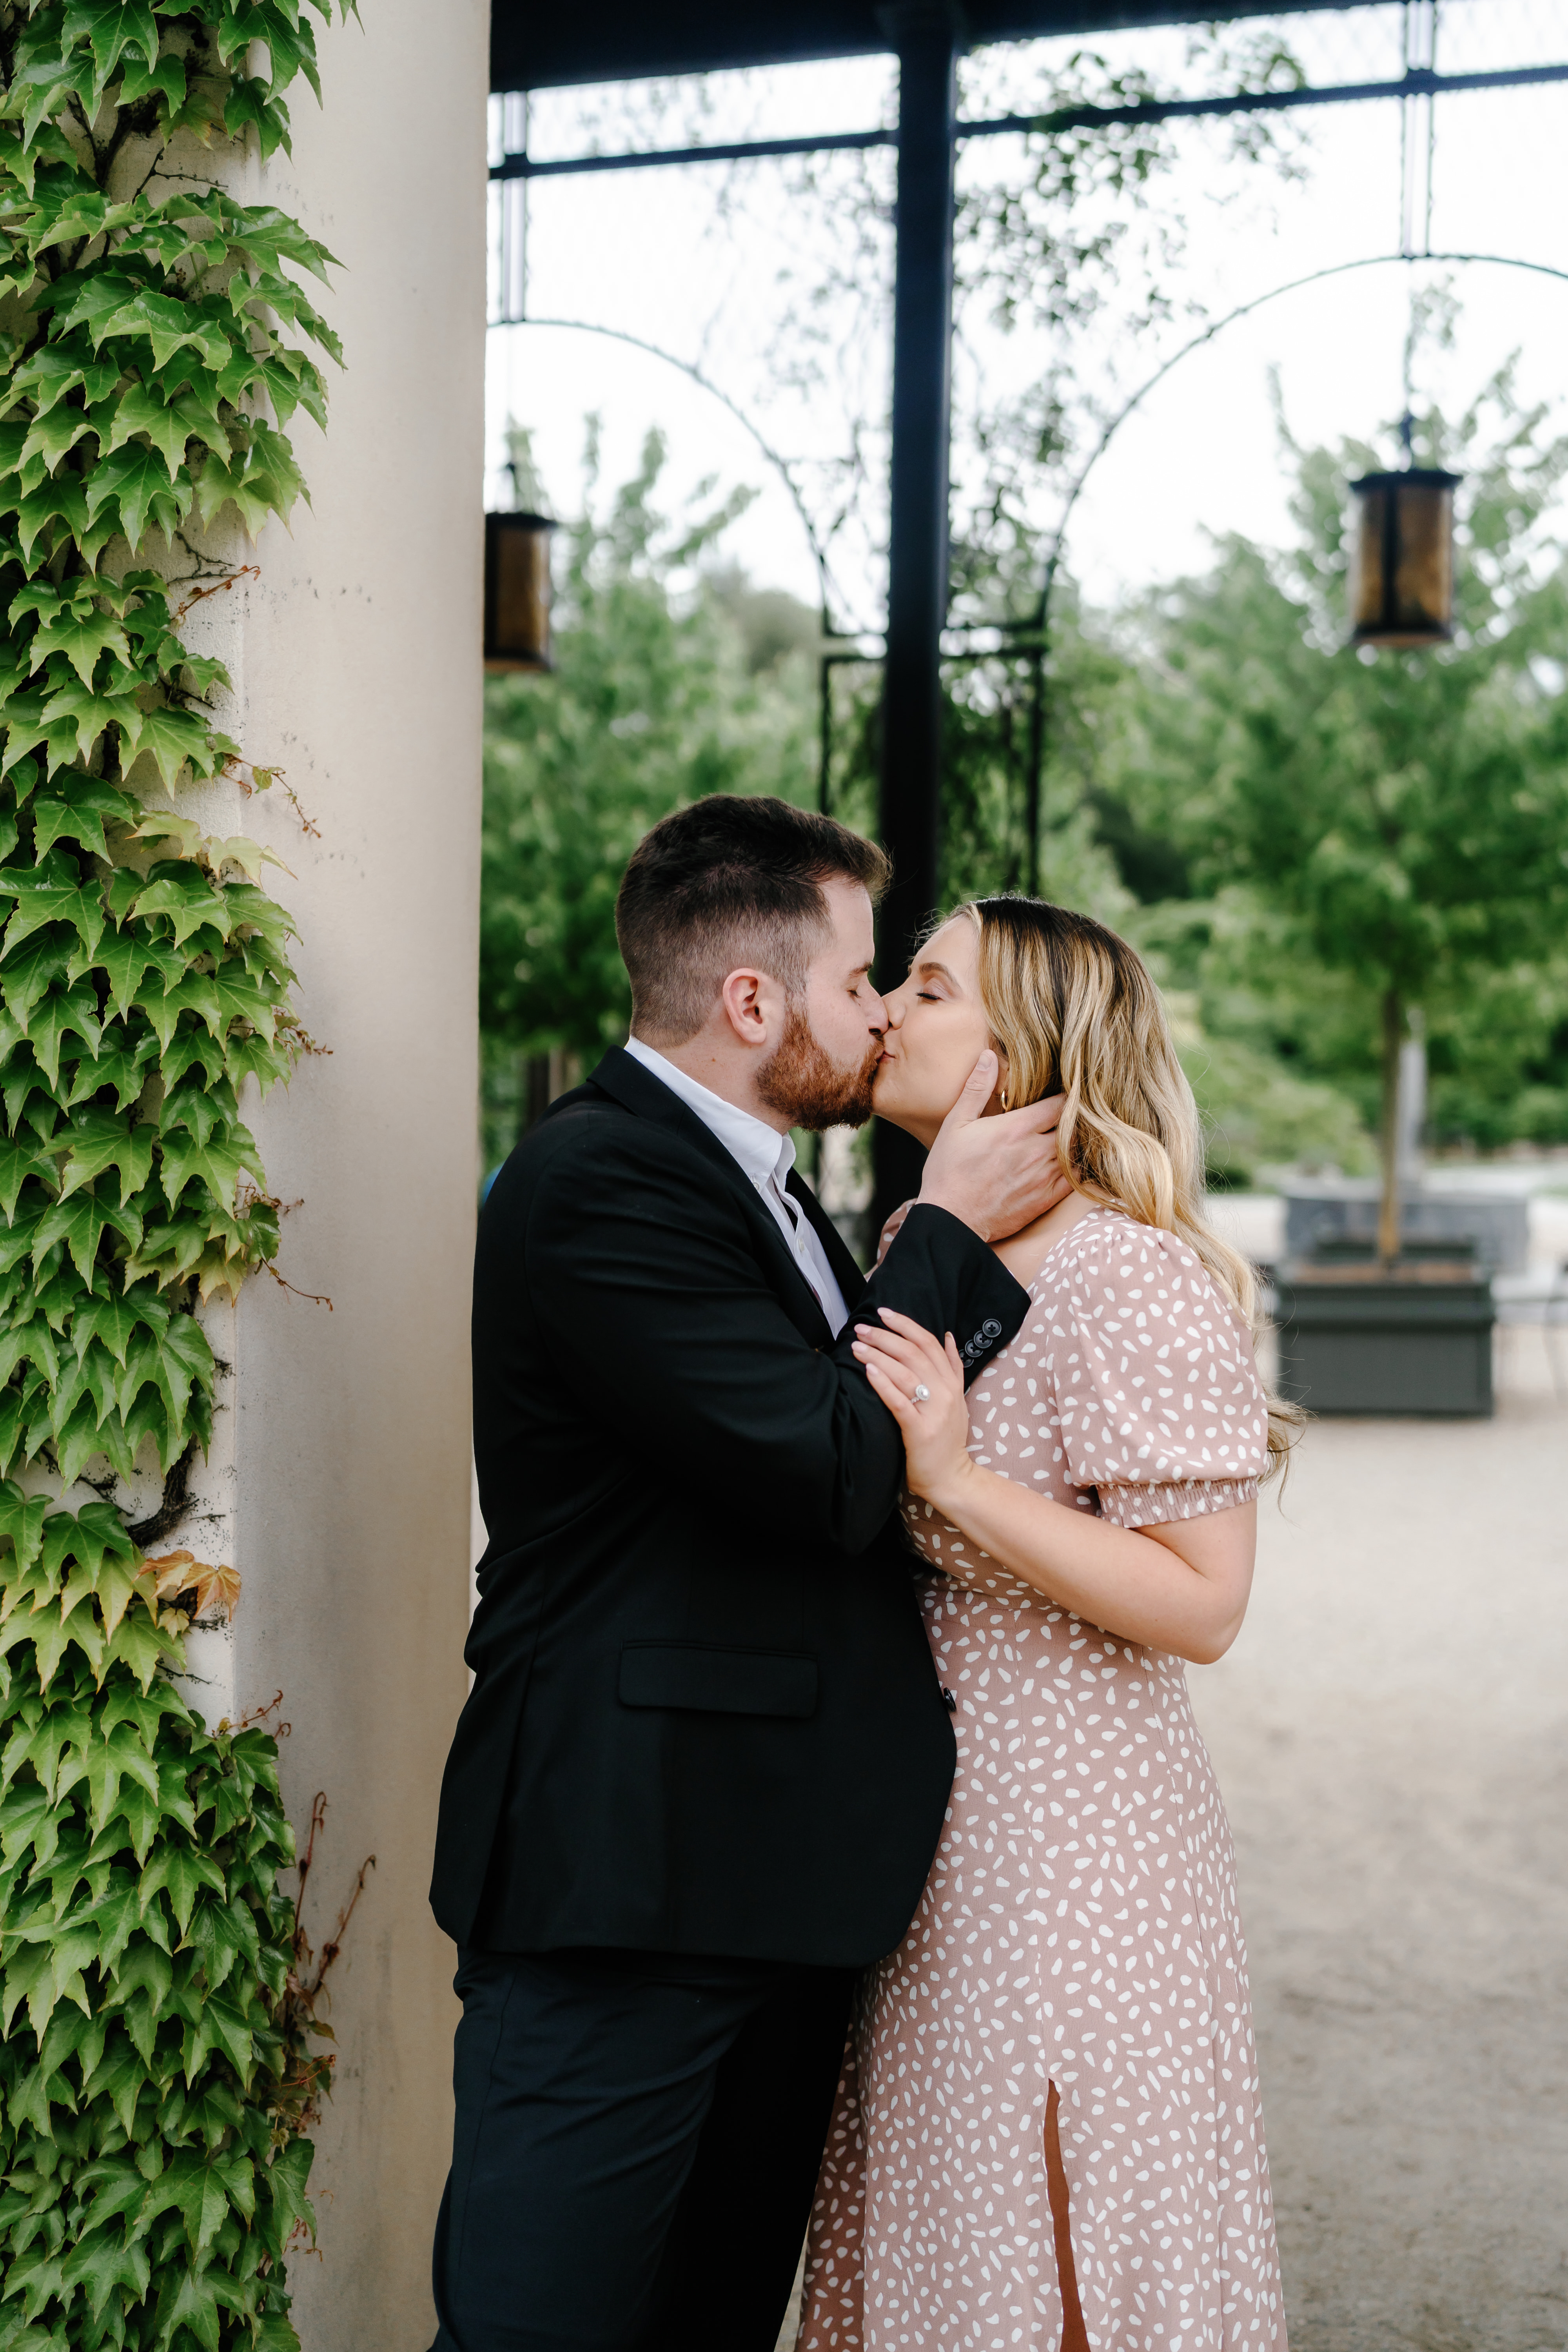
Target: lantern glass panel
<point>1401,564</point>
<point>518,592</point>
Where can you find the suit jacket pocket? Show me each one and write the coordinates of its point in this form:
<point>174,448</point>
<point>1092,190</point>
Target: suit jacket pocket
<point>714,1681</point>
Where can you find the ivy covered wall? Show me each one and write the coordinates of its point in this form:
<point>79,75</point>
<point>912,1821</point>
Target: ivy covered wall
<point>166,343</point>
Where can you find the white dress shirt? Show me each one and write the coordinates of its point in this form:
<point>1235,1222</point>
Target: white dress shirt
<point>765,1157</point>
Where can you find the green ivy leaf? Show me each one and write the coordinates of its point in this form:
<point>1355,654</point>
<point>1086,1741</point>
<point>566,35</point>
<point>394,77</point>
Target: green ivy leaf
<point>124,956</point>
<point>192,673</point>
<point>280,295</point>
<point>173,1360</point>
<point>198,1047</point>
<point>141,411</point>
<point>242,997</point>
<point>164,80</point>
<point>103,2261</point>
<point>183,894</point>
<point>29,1340</point>
<point>252,105</point>
<point>16,1245</point>
<point>291,381</point>
<point>264,480</point>
<point>142,1823</point>
<point>127,491</point>
<point>25,977</point>
<point>74,716</point>
<point>62,1013</point>
<point>77,810</point>
<point>145,1967</point>
<point>289,2171</point>
<point>123,1063</point>
<point>170,324</point>
<point>53,436</point>
<point>81,1223</point>
<point>77,1436</point>
<point>143,1647</point>
<point>51,892</point>
<point>95,1366</point>
<point>183,1872</point>
<point>222,1934</point>
<point>99,1140</point>
<point>85,214</point>
<point>17,1406</point>
<point>251,909</point>
<point>62,500</point>
<point>113,1320</point>
<point>44,87</point>
<point>219,1164</point>
<point>81,634</point>
<point>21,1524</point>
<point>113,27</point>
<point>55,369</point>
<point>59,1296</point>
<point>173,737</point>
<point>19,1158</point>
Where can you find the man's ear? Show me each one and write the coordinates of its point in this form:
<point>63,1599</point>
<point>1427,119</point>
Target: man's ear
<point>753,1005</point>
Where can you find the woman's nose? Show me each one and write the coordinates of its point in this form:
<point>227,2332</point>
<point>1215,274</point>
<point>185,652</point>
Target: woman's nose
<point>893,1006</point>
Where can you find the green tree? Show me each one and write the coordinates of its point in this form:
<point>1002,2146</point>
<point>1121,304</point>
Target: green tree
<point>1397,822</point>
<point>668,684</point>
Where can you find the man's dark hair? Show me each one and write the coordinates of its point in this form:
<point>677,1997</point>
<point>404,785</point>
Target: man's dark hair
<point>734,880</point>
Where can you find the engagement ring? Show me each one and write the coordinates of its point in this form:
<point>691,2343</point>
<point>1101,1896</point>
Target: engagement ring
<point>922,1393</point>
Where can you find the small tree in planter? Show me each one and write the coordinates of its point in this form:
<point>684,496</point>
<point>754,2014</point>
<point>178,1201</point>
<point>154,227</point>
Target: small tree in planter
<point>1402,816</point>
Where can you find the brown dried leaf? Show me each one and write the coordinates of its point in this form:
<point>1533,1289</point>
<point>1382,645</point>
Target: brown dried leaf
<point>181,1572</point>
<point>169,1569</point>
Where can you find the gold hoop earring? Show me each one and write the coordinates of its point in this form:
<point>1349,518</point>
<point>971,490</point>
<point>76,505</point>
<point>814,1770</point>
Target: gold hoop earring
<point>1003,1098</point>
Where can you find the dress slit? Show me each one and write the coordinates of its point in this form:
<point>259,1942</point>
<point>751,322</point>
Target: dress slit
<point>1074,2335</point>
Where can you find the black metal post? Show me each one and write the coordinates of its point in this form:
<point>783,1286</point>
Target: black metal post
<point>927,36</point>
<point>1034,760</point>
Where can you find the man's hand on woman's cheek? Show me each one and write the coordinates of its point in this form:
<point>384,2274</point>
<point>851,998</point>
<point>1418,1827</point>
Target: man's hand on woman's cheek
<point>999,1174</point>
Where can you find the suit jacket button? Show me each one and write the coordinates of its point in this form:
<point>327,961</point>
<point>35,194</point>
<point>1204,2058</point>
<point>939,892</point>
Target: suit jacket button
<point>948,1700</point>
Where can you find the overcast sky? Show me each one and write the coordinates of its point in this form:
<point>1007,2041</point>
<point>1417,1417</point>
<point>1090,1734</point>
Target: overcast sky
<point>702,262</point>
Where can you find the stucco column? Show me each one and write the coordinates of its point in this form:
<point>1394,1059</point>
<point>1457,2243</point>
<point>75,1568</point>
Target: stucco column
<point>339,1479</point>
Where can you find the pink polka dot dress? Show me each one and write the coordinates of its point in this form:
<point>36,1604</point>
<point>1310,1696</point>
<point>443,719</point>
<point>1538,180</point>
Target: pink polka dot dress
<point>1080,1925</point>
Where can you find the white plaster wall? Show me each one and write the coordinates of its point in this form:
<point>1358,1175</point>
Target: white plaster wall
<point>358,669</point>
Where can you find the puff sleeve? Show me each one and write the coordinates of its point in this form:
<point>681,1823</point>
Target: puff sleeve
<point>1161,1407</point>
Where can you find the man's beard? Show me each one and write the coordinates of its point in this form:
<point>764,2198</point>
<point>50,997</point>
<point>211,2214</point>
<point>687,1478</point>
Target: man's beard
<point>800,1080</point>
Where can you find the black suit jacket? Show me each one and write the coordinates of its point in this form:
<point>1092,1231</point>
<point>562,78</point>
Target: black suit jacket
<point>704,1716</point>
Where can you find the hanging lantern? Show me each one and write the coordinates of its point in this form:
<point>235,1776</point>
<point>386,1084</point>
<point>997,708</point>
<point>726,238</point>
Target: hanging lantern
<point>1401,566</point>
<point>517,592</point>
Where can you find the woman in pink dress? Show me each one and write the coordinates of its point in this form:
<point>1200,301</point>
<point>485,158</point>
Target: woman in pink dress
<point>1047,2133</point>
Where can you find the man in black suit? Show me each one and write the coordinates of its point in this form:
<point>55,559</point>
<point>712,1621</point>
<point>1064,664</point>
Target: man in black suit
<point>701,1773</point>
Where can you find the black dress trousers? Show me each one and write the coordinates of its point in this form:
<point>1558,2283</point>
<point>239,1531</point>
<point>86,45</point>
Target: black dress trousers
<point>636,2144</point>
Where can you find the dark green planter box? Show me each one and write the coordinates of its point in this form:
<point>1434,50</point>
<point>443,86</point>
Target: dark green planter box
<point>1385,1346</point>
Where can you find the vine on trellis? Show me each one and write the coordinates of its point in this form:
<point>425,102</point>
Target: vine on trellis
<point>155,2069</point>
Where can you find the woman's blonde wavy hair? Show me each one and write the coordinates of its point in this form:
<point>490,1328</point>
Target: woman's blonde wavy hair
<point>1075,1012</point>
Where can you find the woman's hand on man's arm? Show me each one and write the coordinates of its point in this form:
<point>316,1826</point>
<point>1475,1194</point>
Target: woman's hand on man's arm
<point>1182,1585</point>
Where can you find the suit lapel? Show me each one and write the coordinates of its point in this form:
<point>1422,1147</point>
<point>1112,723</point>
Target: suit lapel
<point>626,1082</point>
<point>846,1273</point>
